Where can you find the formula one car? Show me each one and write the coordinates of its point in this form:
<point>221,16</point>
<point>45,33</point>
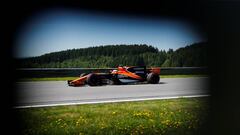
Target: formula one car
<point>122,75</point>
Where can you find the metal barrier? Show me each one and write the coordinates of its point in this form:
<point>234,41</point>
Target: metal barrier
<point>68,72</point>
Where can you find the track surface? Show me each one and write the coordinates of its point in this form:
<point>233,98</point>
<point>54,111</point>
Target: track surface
<point>50,93</point>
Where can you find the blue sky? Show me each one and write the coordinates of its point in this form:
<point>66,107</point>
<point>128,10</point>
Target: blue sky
<point>61,29</point>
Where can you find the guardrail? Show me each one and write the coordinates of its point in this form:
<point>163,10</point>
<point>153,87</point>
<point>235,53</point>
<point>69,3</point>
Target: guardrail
<point>68,72</point>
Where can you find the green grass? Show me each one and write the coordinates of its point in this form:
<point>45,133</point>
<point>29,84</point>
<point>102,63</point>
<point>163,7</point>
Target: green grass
<point>169,117</point>
<point>71,78</point>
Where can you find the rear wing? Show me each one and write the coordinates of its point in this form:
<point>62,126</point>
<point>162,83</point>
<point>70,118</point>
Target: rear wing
<point>155,70</point>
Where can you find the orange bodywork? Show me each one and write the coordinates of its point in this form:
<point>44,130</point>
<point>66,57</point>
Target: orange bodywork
<point>79,81</point>
<point>123,71</point>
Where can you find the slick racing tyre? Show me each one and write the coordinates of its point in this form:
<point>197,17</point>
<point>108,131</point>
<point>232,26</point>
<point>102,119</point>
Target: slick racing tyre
<point>116,81</point>
<point>93,80</point>
<point>153,78</point>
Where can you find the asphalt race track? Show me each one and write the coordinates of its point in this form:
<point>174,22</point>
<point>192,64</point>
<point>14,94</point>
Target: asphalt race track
<point>53,93</point>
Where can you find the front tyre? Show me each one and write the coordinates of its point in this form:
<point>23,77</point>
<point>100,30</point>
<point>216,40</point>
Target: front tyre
<point>153,78</point>
<point>93,80</point>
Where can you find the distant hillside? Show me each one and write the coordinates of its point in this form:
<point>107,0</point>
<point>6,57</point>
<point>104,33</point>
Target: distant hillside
<point>113,55</point>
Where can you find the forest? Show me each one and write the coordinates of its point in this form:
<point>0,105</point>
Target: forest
<point>109,56</point>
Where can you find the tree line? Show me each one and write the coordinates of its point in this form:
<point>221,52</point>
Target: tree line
<point>114,55</point>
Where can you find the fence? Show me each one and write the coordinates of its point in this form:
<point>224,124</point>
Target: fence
<point>68,72</point>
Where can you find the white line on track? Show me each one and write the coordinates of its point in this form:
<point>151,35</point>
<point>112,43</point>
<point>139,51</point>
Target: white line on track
<point>109,101</point>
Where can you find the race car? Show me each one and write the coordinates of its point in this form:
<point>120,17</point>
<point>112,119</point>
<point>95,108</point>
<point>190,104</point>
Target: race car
<point>122,75</point>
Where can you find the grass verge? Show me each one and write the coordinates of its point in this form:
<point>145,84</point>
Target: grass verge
<point>174,116</point>
<point>71,78</point>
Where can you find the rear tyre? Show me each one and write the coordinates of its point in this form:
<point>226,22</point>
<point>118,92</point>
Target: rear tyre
<point>93,80</point>
<point>153,78</point>
<point>116,81</point>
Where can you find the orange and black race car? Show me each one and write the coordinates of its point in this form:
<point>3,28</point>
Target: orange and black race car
<point>122,75</point>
